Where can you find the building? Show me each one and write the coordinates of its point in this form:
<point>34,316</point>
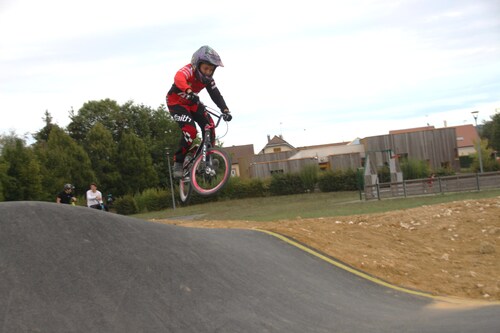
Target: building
<point>440,147</point>
<point>467,139</point>
<point>436,146</point>
<point>278,156</point>
<point>276,145</point>
<point>241,157</point>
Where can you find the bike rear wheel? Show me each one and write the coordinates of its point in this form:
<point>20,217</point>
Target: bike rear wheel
<point>210,178</point>
<point>185,190</point>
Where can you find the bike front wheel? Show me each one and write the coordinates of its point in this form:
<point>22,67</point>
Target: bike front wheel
<point>210,176</point>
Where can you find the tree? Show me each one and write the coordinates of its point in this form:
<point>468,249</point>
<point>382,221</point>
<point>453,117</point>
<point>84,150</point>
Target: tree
<point>165,134</point>
<point>135,164</point>
<point>489,164</point>
<point>4,166</point>
<point>102,151</point>
<point>63,161</point>
<point>106,112</point>
<point>43,134</point>
<point>22,179</point>
<point>491,131</point>
<point>136,119</point>
<point>155,127</point>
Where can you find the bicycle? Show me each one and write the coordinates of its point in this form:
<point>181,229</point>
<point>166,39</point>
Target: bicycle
<point>206,168</point>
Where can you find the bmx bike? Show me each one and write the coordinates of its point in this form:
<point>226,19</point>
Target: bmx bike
<point>206,168</point>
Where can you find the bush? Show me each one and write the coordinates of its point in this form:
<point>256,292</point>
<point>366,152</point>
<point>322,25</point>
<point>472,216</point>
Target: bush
<point>152,200</point>
<point>415,169</point>
<point>238,188</point>
<point>126,205</point>
<point>441,172</point>
<point>284,184</point>
<point>309,176</point>
<point>384,174</point>
<point>334,181</point>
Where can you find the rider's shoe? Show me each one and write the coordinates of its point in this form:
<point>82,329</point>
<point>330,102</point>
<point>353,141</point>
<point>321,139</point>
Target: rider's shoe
<point>177,170</point>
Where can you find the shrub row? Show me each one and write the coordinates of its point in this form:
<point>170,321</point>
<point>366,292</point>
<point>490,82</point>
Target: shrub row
<point>308,179</point>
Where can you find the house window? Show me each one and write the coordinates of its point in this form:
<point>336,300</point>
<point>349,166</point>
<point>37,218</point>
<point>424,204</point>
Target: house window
<point>274,172</point>
<point>276,150</point>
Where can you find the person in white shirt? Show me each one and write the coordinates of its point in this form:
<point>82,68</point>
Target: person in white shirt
<point>94,197</point>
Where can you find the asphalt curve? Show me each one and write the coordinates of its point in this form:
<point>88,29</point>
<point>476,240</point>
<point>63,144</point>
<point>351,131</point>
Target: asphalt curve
<point>74,269</point>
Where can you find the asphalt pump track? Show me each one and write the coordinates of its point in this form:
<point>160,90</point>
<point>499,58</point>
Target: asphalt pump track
<point>74,269</point>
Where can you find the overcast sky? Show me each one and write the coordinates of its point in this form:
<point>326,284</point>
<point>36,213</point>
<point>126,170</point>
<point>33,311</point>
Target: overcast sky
<point>314,71</point>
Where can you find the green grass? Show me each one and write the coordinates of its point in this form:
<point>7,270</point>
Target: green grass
<point>306,206</point>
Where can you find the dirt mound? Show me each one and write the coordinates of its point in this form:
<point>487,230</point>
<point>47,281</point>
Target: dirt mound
<point>448,249</point>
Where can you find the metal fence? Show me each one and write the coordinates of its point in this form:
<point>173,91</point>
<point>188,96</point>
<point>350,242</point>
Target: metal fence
<point>438,185</point>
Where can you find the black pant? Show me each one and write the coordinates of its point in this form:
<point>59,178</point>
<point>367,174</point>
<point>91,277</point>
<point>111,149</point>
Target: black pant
<point>187,121</point>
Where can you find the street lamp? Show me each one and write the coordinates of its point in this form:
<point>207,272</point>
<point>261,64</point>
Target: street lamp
<point>170,176</point>
<point>475,114</point>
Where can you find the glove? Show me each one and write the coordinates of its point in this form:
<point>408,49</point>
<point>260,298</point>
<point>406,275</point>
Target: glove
<point>192,97</point>
<point>226,115</point>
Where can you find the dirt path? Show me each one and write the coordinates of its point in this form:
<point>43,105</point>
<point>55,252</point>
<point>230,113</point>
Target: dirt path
<point>450,249</point>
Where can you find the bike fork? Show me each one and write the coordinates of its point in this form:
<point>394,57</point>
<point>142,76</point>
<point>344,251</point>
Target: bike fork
<point>206,159</point>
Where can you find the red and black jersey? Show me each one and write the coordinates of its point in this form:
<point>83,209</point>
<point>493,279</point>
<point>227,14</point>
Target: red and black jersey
<point>184,79</point>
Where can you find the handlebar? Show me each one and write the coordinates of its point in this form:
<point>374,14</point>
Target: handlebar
<point>218,114</point>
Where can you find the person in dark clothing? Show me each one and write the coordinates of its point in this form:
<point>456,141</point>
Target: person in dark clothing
<point>66,196</point>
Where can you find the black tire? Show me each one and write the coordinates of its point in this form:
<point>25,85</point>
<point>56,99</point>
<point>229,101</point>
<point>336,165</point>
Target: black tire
<point>185,188</point>
<point>209,183</point>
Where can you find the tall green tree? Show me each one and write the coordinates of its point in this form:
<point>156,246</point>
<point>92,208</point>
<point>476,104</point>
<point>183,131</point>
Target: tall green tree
<point>489,163</point>
<point>165,134</point>
<point>43,134</point>
<point>22,179</point>
<point>106,112</point>
<point>136,119</point>
<point>155,127</point>
<point>4,166</point>
<point>491,131</point>
<point>64,161</point>
<point>135,164</point>
<point>102,151</point>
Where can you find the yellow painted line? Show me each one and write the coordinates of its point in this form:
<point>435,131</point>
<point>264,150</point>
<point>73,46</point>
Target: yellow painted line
<point>349,269</point>
<point>451,301</point>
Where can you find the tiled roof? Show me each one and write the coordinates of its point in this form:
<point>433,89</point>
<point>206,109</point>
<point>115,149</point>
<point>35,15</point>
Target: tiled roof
<point>236,152</point>
<point>277,141</point>
<point>466,135</point>
<point>411,130</point>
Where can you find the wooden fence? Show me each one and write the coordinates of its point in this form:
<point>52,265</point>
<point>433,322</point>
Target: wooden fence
<point>438,185</point>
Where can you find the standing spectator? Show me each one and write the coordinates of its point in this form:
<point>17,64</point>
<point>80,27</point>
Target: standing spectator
<point>431,179</point>
<point>94,198</point>
<point>66,196</point>
<point>430,182</point>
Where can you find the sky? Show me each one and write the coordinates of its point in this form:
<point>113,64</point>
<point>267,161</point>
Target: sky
<point>315,72</point>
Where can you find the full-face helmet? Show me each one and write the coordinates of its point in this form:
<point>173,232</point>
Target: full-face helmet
<point>68,187</point>
<point>205,54</point>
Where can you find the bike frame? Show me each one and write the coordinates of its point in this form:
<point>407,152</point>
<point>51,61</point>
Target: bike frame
<point>205,142</point>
